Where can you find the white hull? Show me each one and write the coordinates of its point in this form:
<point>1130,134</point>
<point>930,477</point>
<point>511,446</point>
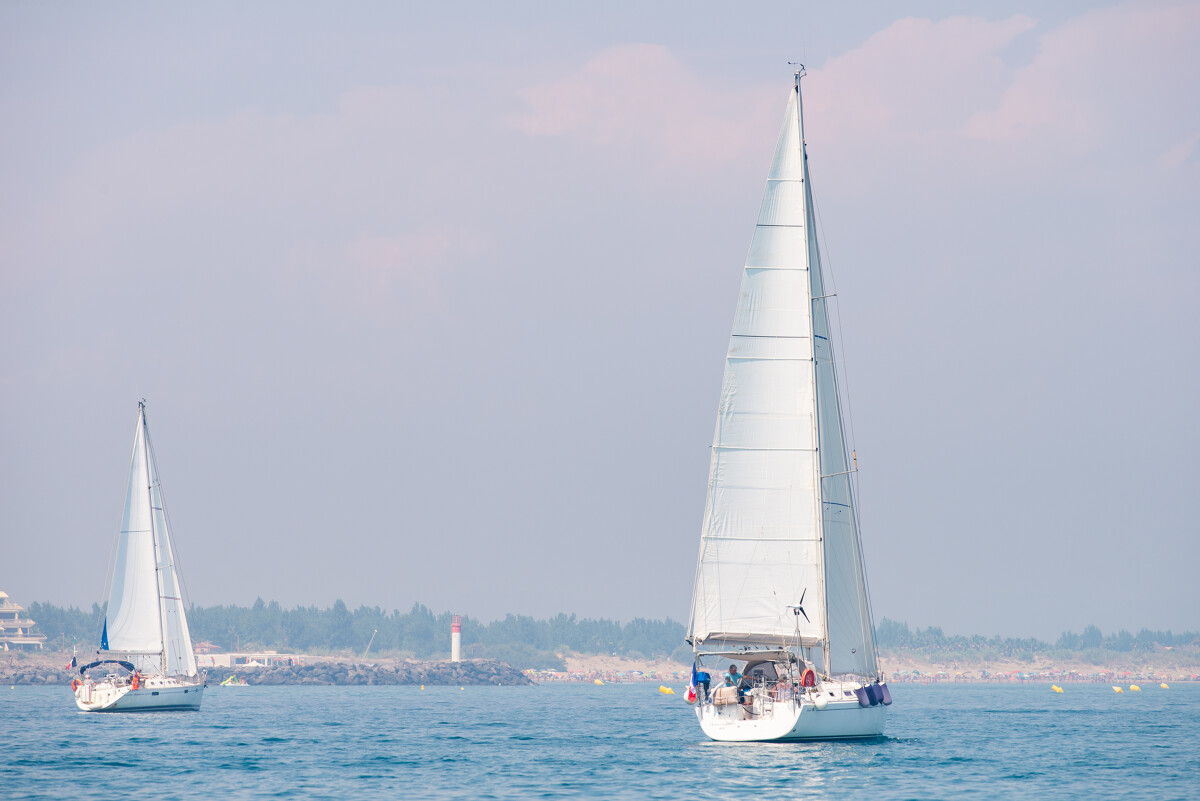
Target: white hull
<point>767,720</point>
<point>154,695</point>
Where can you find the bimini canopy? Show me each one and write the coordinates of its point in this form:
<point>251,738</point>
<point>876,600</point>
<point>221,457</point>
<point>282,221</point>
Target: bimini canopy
<point>127,665</point>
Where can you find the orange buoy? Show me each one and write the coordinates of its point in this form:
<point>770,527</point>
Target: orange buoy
<point>809,679</point>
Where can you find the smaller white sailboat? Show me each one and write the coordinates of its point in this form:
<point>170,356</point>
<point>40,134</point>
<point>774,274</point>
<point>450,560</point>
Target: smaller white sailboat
<point>145,636</point>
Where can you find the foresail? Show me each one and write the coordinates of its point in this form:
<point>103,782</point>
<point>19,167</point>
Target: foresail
<point>760,552</point>
<point>131,622</point>
<point>851,643</point>
<point>178,658</point>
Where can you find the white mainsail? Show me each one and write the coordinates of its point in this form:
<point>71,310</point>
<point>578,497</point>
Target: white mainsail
<point>145,622</point>
<point>779,528</point>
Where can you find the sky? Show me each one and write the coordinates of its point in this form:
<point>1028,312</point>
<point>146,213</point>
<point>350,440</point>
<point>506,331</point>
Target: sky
<point>429,303</point>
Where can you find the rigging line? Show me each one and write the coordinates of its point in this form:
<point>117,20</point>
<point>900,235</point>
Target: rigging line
<point>114,543</point>
<point>700,559</point>
<point>162,499</point>
<point>828,261</point>
<point>868,621</point>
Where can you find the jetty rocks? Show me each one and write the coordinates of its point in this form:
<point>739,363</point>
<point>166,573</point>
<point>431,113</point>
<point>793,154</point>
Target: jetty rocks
<point>475,672</point>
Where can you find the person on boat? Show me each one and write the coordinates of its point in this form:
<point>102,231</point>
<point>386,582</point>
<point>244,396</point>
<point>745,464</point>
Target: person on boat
<point>137,679</point>
<point>733,679</point>
<point>736,679</point>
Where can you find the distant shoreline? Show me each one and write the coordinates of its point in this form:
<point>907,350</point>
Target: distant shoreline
<point>901,667</point>
<point>49,667</point>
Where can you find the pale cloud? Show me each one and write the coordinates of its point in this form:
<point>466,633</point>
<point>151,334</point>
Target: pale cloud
<point>914,80</point>
<point>250,158</point>
<point>939,102</point>
<point>1186,152</point>
<point>369,170</point>
<point>642,97</point>
<point>1099,81</point>
<point>387,279</point>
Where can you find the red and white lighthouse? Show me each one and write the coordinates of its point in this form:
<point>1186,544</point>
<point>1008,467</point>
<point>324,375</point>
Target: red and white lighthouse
<point>456,639</point>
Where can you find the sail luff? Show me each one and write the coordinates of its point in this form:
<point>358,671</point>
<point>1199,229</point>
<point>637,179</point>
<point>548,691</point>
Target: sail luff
<point>177,656</point>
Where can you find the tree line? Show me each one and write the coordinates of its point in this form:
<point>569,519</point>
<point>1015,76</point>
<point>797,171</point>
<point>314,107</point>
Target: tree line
<point>530,642</point>
<point>419,633</point>
<point>1092,644</point>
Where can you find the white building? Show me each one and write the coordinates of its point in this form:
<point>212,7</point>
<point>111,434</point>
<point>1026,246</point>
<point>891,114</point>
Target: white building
<point>16,632</point>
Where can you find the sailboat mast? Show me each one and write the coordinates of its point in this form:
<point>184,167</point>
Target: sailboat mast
<point>812,339</point>
<point>162,631</point>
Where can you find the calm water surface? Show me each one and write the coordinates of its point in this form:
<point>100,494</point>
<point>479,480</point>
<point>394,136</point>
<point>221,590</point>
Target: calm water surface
<point>584,741</point>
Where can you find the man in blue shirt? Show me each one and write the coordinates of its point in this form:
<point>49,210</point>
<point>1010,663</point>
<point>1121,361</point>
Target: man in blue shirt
<point>734,679</point>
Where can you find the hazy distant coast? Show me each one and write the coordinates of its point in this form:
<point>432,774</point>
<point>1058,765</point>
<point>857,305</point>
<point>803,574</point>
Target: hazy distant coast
<point>927,655</point>
<point>568,648</point>
<point>339,631</point>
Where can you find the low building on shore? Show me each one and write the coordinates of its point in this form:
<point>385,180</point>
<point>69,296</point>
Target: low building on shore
<point>16,631</point>
<point>248,659</point>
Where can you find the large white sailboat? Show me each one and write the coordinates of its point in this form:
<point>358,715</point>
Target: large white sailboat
<point>781,594</point>
<point>145,630</point>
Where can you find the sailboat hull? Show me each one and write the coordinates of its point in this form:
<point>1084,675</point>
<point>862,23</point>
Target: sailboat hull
<point>161,695</point>
<point>792,720</point>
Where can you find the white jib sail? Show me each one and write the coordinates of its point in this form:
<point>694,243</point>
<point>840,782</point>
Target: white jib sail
<point>178,658</point>
<point>760,550</point>
<point>850,632</point>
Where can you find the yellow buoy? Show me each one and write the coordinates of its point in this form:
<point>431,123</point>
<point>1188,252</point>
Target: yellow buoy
<point>1056,688</point>
<point>1135,688</point>
<point>665,690</point>
<point>422,686</point>
<point>1164,686</point>
<point>597,682</point>
<point>1117,690</point>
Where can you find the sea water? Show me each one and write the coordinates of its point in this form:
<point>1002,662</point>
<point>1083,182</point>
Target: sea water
<point>588,741</point>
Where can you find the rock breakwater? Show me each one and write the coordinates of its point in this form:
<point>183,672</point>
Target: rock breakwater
<point>477,672</point>
<point>474,673</point>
